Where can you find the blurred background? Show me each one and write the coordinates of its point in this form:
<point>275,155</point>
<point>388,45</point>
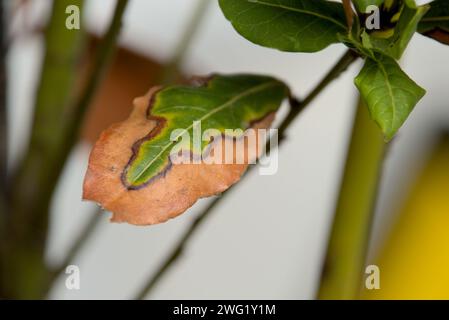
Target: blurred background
<point>268,239</point>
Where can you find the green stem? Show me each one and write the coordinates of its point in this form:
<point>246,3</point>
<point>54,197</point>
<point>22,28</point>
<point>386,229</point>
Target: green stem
<point>346,253</point>
<point>55,132</point>
<point>24,271</point>
<point>296,107</point>
<point>169,73</point>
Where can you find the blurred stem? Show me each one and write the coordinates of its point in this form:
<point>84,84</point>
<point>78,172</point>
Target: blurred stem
<point>171,70</point>
<point>169,74</point>
<point>82,238</point>
<point>349,13</point>
<point>3,138</point>
<point>295,109</point>
<point>346,254</point>
<point>3,116</point>
<point>24,268</point>
<point>55,132</point>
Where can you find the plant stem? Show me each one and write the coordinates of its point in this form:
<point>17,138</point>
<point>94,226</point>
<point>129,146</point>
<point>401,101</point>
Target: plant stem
<point>346,253</point>
<point>346,60</point>
<point>3,112</point>
<point>82,238</point>
<point>55,132</point>
<point>3,139</point>
<point>169,73</point>
<point>3,116</point>
<point>101,62</point>
<point>23,264</point>
<point>171,70</point>
<point>348,13</point>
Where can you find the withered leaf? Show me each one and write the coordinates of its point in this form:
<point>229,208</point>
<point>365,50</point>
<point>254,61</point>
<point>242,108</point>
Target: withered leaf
<point>131,172</point>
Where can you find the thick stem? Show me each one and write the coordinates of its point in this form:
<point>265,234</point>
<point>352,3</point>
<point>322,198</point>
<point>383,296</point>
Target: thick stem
<point>24,268</point>
<point>296,107</point>
<point>169,74</point>
<point>55,132</point>
<point>345,259</point>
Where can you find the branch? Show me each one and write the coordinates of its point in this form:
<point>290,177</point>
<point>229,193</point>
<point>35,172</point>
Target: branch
<point>102,58</point>
<point>346,60</point>
<point>82,238</point>
<point>171,69</point>
<point>348,13</point>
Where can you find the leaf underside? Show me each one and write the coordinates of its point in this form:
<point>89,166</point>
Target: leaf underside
<point>389,93</point>
<point>130,172</point>
<point>296,26</point>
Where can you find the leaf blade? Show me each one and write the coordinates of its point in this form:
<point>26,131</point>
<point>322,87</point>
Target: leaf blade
<point>240,88</point>
<point>299,26</point>
<point>171,188</point>
<point>389,93</point>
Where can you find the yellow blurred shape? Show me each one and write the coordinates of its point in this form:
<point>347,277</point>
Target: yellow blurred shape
<point>414,264</point>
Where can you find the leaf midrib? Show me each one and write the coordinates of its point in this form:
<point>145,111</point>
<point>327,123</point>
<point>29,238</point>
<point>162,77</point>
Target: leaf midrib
<point>390,91</point>
<point>300,11</point>
<point>205,117</point>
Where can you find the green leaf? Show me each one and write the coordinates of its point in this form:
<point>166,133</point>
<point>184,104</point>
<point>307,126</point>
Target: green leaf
<point>435,24</point>
<point>361,5</point>
<point>296,26</point>
<point>389,93</point>
<point>225,102</point>
<point>395,44</point>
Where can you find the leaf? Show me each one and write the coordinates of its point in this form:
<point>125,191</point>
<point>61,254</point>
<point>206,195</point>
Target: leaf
<point>395,44</point>
<point>131,172</point>
<point>296,26</point>
<point>389,93</point>
<point>435,23</point>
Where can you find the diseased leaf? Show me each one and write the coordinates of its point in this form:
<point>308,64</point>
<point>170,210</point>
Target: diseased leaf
<point>131,172</point>
<point>435,24</point>
<point>395,43</point>
<point>389,93</point>
<point>296,26</point>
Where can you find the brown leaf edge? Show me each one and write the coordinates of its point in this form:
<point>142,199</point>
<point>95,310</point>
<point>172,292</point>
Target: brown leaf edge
<point>171,193</point>
<point>439,35</point>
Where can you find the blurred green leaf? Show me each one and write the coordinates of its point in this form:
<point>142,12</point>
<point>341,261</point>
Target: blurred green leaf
<point>435,24</point>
